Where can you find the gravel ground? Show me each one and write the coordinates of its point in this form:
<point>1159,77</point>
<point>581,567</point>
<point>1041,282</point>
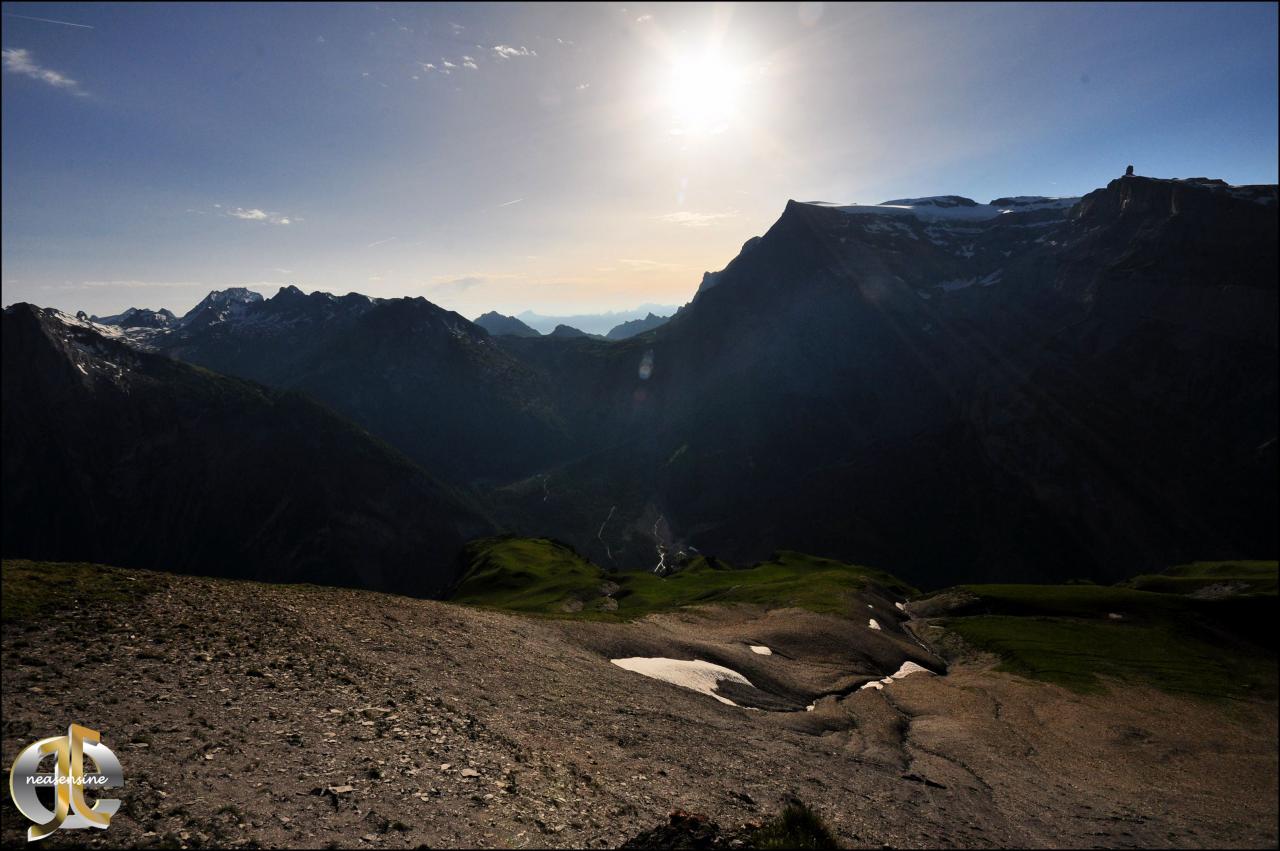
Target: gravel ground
<point>285,716</point>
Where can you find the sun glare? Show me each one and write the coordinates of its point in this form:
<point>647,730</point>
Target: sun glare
<point>705,96</point>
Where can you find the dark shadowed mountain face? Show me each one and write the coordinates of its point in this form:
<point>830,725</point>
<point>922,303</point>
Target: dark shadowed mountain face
<point>636,326</point>
<point>1031,389</point>
<point>422,378</point>
<point>1046,392</point>
<point>498,325</point>
<point>118,456</point>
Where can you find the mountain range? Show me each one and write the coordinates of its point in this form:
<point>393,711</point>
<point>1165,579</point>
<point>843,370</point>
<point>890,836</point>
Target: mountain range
<point>116,455</point>
<point>1033,388</point>
<point>592,323</point>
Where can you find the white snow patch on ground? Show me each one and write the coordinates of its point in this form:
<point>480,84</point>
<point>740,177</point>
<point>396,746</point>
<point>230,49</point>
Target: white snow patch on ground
<point>693,674</point>
<point>872,623</point>
<point>761,649</point>
<point>907,669</point>
<point>901,607</point>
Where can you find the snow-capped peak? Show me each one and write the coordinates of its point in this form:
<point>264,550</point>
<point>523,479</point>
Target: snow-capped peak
<point>220,304</point>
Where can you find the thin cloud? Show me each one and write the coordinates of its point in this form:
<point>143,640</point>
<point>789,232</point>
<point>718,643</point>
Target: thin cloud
<point>256,215</point>
<point>381,242</point>
<point>647,264</point>
<point>506,51</point>
<point>18,61</point>
<point>509,203</point>
<point>48,21</point>
<point>137,285</point>
<point>644,19</point>
<point>457,286</point>
<point>468,62</point>
<point>695,220</point>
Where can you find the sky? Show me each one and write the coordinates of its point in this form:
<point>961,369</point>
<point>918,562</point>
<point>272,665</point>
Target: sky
<point>568,158</point>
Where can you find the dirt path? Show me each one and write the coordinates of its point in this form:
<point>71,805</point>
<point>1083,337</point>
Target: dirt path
<point>232,706</point>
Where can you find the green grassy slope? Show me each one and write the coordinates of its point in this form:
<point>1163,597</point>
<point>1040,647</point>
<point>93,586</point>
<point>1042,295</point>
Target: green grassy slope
<point>540,576</point>
<point>29,589</point>
<point>1239,577</point>
<point>1151,630</point>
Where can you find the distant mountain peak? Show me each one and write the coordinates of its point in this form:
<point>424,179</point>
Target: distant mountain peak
<point>138,317</point>
<point>504,326</point>
<point>567,332</point>
<point>218,305</point>
<point>636,326</point>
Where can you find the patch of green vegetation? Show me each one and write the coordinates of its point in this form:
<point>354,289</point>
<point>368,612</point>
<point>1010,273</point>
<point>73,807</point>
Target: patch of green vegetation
<point>1075,634</point>
<point>1235,577</point>
<point>796,827</point>
<point>35,588</point>
<point>540,576</point>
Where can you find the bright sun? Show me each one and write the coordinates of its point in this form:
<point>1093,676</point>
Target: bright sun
<point>704,96</point>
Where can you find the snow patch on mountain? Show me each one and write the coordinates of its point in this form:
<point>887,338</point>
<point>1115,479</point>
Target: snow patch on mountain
<point>953,208</point>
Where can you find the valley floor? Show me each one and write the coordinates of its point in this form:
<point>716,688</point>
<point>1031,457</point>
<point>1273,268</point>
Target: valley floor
<point>234,706</point>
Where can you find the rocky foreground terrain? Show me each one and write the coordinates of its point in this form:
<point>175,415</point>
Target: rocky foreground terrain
<point>295,716</point>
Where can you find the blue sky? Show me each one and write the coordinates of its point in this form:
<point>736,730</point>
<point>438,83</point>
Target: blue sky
<point>573,157</point>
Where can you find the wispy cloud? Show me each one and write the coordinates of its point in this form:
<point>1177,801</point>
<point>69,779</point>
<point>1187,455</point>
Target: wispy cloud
<point>643,19</point>
<point>637,265</point>
<point>137,285</point>
<point>506,51</point>
<point>18,61</point>
<point>696,220</point>
<point>468,62</point>
<point>457,286</point>
<point>509,203</point>
<point>381,242</point>
<point>255,215</point>
<point>48,21</point>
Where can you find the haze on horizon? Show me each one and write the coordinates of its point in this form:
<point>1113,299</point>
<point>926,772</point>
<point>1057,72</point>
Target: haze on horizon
<point>568,159</point>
